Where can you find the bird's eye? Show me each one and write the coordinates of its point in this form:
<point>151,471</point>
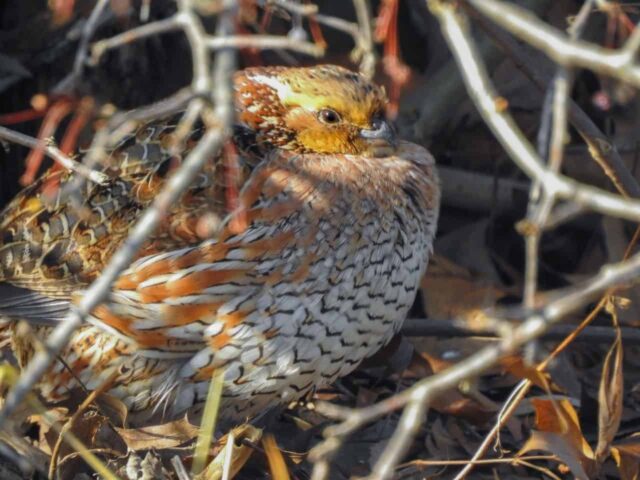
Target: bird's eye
<point>326,115</point>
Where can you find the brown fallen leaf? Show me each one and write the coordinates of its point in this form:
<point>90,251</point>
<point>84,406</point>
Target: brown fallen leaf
<point>167,435</point>
<point>516,366</point>
<point>451,291</point>
<point>610,394</point>
<point>93,430</point>
<point>58,415</point>
<point>277,465</point>
<point>558,432</point>
<point>239,454</point>
<point>113,408</point>
<point>626,454</point>
<point>477,410</point>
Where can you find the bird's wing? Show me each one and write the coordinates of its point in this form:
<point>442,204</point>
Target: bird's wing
<point>184,301</point>
<point>33,307</point>
<point>53,246</point>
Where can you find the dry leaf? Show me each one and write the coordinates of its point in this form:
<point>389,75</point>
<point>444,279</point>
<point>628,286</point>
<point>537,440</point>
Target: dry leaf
<point>627,457</point>
<point>239,455</point>
<point>113,408</point>
<point>93,430</point>
<point>515,365</point>
<point>450,291</point>
<point>558,432</point>
<point>558,445</point>
<point>167,435</point>
<point>451,401</point>
<point>610,398</point>
<point>628,465</point>
<point>58,415</point>
<point>277,465</point>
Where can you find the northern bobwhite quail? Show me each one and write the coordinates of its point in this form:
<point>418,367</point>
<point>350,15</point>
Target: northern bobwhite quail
<point>339,224</point>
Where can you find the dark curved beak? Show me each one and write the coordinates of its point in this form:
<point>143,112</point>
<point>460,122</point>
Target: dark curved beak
<point>380,130</point>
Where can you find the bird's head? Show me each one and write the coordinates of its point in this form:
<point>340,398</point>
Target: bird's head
<point>322,109</point>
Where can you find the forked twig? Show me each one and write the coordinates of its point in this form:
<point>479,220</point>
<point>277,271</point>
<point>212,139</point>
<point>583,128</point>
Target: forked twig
<point>55,153</point>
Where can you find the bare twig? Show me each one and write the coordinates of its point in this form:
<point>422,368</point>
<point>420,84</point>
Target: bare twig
<point>364,50</point>
<point>559,47</point>
<point>339,24</point>
<point>293,7</point>
<point>180,22</point>
<point>513,141</point>
<point>265,42</point>
<point>539,213</point>
<point>600,147</point>
<point>445,91</point>
<point>165,25</point>
<point>70,82</point>
<point>361,33</point>
<point>541,203</point>
<point>55,153</point>
<point>429,327</point>
<point>489,461</point>
<point>87,32</point>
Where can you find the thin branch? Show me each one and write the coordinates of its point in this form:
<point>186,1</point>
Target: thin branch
<point>196,36</point>
<point>540,206</point>
<point>365,49</point>
<point>489,104</point>
<point>429,327</point>
<point>601,148</point>
<point>293,7</point>
<point>488,461</point>
<point>559,47</point>
<point>182,22</point>
<point>339,24</point>
<point>265,42</point>
<point>165,25</point>
<point>87,32</point>
<point>55,153</point>
<point>70,82</point>
<point>179,468</point>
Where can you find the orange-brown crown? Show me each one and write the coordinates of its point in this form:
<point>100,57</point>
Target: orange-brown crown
<point>321,109</point>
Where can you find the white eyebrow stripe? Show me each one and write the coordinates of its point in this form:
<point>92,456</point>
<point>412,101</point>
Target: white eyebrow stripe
<point>282,89</point>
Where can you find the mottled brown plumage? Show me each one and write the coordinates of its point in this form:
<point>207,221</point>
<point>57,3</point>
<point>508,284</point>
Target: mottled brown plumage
<point>337,224</point>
